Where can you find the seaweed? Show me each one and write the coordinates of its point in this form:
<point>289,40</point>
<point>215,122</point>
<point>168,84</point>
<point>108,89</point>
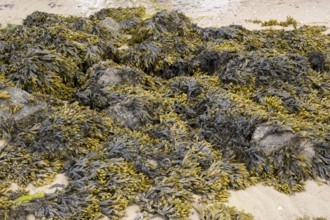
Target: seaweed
<point>70,132</point>
<point>219,211</point>
<point>266,68</point>
<point>43,70</point>
<point>156,111</point>
<point>104,75</point>
<point>289,21</point>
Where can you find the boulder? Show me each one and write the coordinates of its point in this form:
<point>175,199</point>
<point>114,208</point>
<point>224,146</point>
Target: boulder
<point>134,113</point>
<point>271,138</point>
<point>97,92</point>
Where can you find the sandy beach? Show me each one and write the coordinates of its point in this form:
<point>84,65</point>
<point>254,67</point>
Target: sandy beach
<point>263,202</point>
<point>266,203</point>
<point>203,12</point>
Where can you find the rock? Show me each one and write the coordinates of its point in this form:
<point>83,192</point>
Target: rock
<point>124,47</point>
<point>108,73</point>
<point>21,107</point>
<point>96,93</point>
<point>132,212</point>
<point>111,25</point>
<point>152,164</point>
<point>132,113</point>
<point>13,187</point>
<point>123,115</point>
<point>272,138</point>
<point>110,77</point>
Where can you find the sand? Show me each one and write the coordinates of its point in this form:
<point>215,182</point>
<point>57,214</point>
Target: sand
<point>309,12</point>
<point>204,12</point>
<point>263,202</point>
<point>201,11</point>
<point>266,203</point>
<point>59,183</point>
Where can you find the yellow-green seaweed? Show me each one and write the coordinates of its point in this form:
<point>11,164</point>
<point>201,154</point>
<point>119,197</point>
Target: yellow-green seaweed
<point>154,110</point>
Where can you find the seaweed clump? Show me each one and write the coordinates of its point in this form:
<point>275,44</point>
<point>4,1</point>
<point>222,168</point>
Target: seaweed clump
<point>156,112</point>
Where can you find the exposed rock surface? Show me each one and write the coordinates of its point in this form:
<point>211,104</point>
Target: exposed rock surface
<point>21,108</point>
<point>272,138</point>
<point>111,25</point>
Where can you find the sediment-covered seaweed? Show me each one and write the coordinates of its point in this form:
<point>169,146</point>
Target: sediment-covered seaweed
<point>154,111</point>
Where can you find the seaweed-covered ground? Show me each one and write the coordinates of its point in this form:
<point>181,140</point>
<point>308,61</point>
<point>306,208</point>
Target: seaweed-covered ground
<point>156,111</point>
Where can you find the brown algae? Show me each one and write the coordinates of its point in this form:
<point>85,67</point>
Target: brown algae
<point>153,111</point>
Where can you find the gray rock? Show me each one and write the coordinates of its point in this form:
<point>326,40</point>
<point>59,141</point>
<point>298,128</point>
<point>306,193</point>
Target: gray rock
<point>107,73</point>
<point>111,25</point>
<point>272,138</point>
<point>21,107</point>
<point>97,92</point>
<point>125,117</point>
<point>133,112</point>
<point>109,77</point>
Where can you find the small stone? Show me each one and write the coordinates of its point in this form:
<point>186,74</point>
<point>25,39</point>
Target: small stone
<point>110,77</point>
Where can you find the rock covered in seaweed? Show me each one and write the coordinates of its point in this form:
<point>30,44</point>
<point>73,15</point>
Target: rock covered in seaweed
<point>155,110</point>
<point>45,71</point>
<point>19,107</point>
<point>271,138</point>
<point>96,92</point>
